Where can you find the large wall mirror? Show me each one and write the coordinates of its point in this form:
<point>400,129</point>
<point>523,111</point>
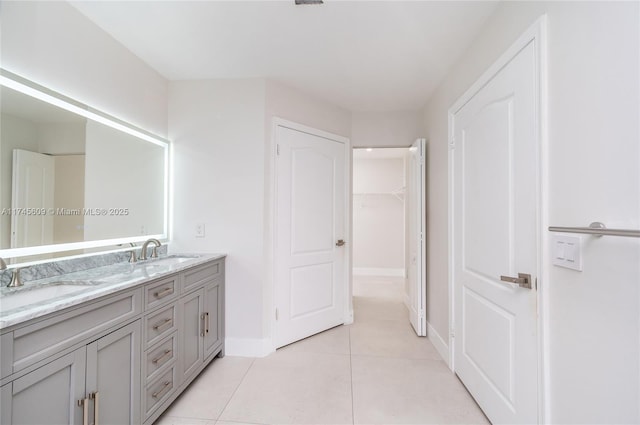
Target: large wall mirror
<point>72,179</point>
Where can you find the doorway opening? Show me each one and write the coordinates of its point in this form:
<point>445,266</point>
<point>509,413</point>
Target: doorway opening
<point>384,232</point>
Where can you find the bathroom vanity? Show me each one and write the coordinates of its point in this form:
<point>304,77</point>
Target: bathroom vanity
<point>114,344</point>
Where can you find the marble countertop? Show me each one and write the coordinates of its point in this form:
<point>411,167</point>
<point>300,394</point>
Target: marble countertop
<point>44,296</point>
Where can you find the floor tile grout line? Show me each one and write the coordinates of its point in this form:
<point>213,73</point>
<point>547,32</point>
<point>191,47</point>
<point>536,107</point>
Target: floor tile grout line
<point>353,413</point>
<point>236,390</point>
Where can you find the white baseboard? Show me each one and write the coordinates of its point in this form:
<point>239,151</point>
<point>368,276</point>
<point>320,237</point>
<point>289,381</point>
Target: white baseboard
<point>371,271</point>
<point>441,346</point>
<point>247,347</point>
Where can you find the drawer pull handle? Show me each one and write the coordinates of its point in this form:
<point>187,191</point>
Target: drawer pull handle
<point>163,293</point>
<point>206,323</point>
<point>163,324</point>
<point>84,403</point>
<point>165,387</point>
<point>96,406</point>
<point>166,353</point>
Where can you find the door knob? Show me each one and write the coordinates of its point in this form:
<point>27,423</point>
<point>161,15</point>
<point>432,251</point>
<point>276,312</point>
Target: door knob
<point>523,280</point>
<point>340,242</point>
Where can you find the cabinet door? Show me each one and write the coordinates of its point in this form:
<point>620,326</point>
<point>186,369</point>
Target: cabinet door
<point>190,337</point>
<point>48,395</point>
<point>213,298</point>
<point>114,375</point>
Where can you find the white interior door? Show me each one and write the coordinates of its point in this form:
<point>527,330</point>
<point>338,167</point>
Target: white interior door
<point>416,287</point>
<point>495,230</point>
<point>32,193</point>
<point>310,221</point>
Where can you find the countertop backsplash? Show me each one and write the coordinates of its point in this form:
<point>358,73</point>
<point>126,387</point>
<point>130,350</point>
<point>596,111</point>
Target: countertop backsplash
<point>60,267</point>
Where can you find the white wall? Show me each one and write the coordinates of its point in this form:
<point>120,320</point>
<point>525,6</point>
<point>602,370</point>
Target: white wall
<point>122,172</point>
<point>221,133</point>
<point>14,133</point>
<point>51,43</point>
<point>593,316</point>
<point>69,194</point>
<point>378,215</point>
<point>217,129</point>
<point>386,128</point>
<point>61,138</point>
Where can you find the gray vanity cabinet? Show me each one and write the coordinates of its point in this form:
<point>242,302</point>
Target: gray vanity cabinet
<point>120,359</point>
<point>201,325</point>
<point>113,376</point>
<point>190,340</point>
<point>49,394</point>
<point>213,319</point>
<point>101,380</point>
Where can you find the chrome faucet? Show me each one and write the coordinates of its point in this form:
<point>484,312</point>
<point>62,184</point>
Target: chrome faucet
<point>154,252</point>
<point>15,275</point>
<point>132,254</point>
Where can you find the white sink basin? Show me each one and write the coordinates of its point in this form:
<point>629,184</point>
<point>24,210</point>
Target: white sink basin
<point>13,299</point>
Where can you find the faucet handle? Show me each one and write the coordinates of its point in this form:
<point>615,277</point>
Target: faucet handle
<point>132,256</point>
<point>15,279</point>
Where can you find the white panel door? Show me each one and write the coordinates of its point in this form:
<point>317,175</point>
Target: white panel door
<point>416,236</point>
<point>32,193</point>
<point>495,230</point>
<point>310,264</point>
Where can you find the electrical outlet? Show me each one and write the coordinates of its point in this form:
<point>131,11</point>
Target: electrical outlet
<point>200,230</point>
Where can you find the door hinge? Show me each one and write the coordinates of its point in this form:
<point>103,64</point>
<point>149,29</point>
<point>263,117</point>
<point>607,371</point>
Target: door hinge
<point>422,314</point>
<point>277,314</point>
<point>452,334</point>
<point>277,149</point>
<point>452,144</point>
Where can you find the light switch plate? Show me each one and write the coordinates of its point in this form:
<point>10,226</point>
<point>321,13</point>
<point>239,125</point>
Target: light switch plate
<point>200,230</point>
<point>566,251</point>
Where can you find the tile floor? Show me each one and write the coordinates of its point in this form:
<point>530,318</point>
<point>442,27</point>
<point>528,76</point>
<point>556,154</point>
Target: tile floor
<point>375,371</point>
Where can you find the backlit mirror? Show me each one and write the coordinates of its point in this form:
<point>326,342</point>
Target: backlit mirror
<point>73,179</point>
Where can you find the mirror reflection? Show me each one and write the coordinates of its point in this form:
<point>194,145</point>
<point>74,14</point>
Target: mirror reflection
<point>66,178</point>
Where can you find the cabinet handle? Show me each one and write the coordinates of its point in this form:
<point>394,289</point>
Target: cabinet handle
<point>84,403</point>
<point>206,323</point>
<point>158,393</point>
<point>162,324</point>
<point>163,293</point>
<point>96,404</point>
<point>165,354</point>
<point>202,316</point>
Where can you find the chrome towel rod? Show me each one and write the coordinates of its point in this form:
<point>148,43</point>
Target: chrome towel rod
<point>599,229</point>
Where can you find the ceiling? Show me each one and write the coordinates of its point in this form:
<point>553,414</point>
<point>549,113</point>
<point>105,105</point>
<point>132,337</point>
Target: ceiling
<point>360,55</point>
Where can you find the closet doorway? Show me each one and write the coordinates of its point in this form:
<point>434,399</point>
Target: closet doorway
<point>388,230</point>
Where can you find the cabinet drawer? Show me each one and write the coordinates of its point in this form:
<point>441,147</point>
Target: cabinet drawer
<point>159,391</point>
<point>159,293</point>
<point>199,275</point>
<point>159,357</point>
<point>40,340</point>
<point>159,324</point>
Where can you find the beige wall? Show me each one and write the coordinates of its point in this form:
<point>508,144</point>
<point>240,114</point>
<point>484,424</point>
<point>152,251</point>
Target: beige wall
<point>386,128</point>
<point>593,316</point>
<point>378,214</point>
